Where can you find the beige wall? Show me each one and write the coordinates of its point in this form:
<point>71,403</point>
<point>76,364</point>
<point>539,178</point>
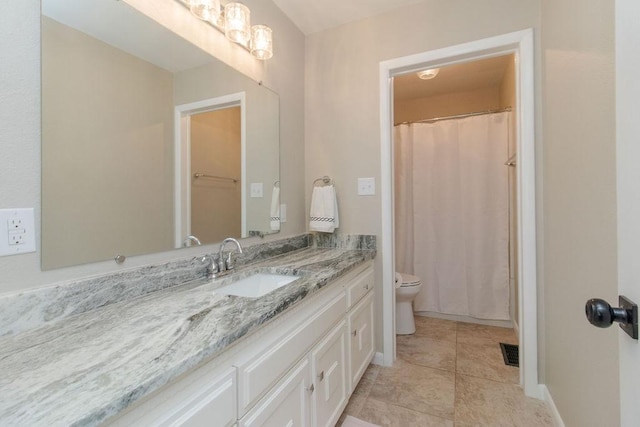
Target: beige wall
<point>215,150</point>
<point>20,129</point>
<point>125,153</point>
<point>578,103</point>
<point>342,101</point>
<point>575,153</point>
<point>449,104</point>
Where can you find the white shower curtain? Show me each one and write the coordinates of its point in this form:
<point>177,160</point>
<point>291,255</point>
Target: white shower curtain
<point>451,214</point>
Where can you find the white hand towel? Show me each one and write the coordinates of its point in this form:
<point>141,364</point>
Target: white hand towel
<point>274,215</point>
<point>324,210</point>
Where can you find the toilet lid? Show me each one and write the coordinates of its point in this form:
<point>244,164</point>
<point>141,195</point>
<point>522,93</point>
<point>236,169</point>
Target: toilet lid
<point>409,280</point>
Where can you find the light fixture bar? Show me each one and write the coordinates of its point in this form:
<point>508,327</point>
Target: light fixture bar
<point>233,20</point>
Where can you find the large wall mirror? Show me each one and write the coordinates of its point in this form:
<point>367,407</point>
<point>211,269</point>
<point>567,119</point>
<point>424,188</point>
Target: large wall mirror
<point>146,139</point>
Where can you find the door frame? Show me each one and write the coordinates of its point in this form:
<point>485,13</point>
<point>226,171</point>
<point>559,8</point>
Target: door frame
<point>520,44</point>
<point>627,63</point>
<point>182,159</point>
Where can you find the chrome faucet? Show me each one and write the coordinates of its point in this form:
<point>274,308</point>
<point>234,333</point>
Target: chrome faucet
<point>225,263</point>
<point>191,239</point>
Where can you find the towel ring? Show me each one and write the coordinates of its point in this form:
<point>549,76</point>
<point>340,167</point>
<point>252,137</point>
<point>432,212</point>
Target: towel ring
<point>325,180</point>
<point>276,184</point>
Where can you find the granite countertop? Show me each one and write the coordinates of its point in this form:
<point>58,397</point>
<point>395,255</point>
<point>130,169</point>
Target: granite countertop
<point>86,368</point>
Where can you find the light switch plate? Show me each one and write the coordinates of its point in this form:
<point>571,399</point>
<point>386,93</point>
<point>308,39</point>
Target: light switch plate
<point>366,186</point>
<point>256,189</point>
<point>17,231</point>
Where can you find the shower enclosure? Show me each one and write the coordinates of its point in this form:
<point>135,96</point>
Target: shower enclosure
<point>452,213</point>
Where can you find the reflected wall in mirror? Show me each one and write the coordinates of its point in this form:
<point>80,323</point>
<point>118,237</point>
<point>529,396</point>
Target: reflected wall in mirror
<point>116,171</point>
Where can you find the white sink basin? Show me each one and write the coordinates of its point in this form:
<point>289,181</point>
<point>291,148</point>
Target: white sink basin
<point>256,286</point>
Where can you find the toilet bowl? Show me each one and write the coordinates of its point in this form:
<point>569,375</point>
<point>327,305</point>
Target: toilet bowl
<point>407,287</point>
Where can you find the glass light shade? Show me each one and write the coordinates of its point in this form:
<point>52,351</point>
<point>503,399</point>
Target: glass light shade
<point>261,42</point>
<point>237,23</point>
<point>428,74</point>
<point>207,10</point>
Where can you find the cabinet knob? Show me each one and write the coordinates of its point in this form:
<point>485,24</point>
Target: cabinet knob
<point>355,332</point>
<point>321,376</point>
<point>366,286</point>
<point>311,388</point>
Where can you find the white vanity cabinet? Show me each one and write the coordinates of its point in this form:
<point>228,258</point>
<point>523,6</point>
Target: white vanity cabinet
<point>361,339</point>
<point>297,370</point>
<point>287,404</point>
<point>329,377</point>
<point>205,397</point>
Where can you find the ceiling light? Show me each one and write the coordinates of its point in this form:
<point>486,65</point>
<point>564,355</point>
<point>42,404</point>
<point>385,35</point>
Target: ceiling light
<point>428,74</point>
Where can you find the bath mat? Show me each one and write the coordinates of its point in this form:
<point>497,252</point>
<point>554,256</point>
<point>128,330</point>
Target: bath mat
<point>350,421</point>
<point>510,354</point>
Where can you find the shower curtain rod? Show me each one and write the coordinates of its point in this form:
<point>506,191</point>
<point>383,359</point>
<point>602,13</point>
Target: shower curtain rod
<point>458,116</point>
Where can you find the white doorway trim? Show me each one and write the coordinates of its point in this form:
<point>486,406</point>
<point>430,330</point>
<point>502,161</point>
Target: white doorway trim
<point>519,43</point>
<point>182,159</point>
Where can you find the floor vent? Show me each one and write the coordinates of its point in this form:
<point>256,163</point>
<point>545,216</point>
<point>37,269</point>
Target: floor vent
<point>510,354</point>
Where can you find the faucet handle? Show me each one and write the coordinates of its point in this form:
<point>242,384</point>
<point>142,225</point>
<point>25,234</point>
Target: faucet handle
<point>228,262</point>
<point>210,262</point>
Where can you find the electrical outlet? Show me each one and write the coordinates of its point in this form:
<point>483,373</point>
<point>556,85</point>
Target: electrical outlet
<point>17,231</point>
<point>14,223</point>
<point>366,186</point>
<point>16,237</point>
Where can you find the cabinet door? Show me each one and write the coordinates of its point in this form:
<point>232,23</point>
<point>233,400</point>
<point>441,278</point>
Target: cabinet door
<point>287,404</point>
<point>360,321</point>
<point>260,373</point>
<point>329,372</point>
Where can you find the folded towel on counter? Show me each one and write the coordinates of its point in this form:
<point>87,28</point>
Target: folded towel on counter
<point>324,209</point>
<point>274,215</point>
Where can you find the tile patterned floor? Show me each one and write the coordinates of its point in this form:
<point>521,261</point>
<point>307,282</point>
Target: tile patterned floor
<point>447,374</point>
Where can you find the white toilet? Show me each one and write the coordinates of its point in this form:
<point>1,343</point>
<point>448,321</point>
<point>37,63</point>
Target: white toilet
<point>407,287</point>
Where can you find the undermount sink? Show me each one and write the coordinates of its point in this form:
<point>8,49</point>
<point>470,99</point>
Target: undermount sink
<point>256,285</point>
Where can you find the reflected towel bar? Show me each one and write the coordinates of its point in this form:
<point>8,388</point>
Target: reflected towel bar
<point>204,175</point>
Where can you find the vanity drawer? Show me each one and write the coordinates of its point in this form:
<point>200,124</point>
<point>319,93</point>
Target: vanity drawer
<point>205,397</point>
<point>359,285</point>
<point>257,375</point>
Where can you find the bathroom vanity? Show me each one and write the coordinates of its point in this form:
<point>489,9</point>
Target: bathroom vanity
<point>299,369</point>
<point>186,355</point>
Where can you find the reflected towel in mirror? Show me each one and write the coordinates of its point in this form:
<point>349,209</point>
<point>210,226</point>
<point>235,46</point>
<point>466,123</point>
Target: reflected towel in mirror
<point>274,217</point>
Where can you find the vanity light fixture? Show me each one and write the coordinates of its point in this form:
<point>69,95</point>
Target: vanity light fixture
<point>233,19</point>
<point>261,42</point>
<point>428,74</point>
<point>237,23</point>
<point>207,10</point>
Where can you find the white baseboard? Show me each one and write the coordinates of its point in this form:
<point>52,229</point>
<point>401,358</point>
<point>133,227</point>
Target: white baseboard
<point>555,415</point>
<point>378,359</point>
